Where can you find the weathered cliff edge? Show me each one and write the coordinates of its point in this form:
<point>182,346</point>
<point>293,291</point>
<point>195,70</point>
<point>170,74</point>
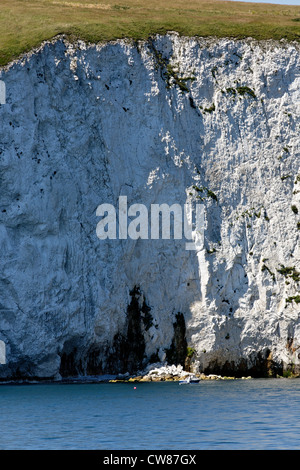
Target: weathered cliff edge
<point>163,121</point>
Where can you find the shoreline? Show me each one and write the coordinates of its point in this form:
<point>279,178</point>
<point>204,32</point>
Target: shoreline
<point>133,379</point>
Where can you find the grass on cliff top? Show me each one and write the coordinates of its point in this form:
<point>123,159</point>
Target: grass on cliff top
<point>24,24</point>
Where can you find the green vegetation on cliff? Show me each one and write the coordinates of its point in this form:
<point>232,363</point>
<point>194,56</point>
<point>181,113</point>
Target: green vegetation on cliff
<point>24,24</point>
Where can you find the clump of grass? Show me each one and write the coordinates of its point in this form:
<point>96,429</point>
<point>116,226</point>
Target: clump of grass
<point>172,76</point>
<point>253,213</point>
<point>190,352</point>
<point>265,268</point>
<point>290,271</point>
<point>294,298</point>
<point>294,209</point>
<point>231,90</point>
<point>212,195</point>
<point>245,90</point>
<point>211,109</point>
<point>169,73</point>
<point>288,374</point>
<point>241,90</point>
<point>209,193</point>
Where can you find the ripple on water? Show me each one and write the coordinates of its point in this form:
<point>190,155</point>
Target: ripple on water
<point>256,414</point>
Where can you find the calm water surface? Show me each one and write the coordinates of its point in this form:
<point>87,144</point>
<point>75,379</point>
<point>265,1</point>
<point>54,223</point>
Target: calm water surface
<point>240,414</point>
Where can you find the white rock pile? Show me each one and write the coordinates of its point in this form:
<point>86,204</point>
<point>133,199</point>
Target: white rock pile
<point>164,372</point>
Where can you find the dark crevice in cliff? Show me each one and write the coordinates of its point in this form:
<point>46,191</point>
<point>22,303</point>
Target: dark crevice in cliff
<point>258,365</point>
<point>127,353</point>
<point>177,352</point>
<point>76,360</point>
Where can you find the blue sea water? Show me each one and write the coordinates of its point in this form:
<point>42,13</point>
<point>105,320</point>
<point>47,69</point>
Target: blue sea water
<point>233,414</point>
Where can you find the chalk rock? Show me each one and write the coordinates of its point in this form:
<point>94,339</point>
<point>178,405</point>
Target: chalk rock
<point>212,122</point>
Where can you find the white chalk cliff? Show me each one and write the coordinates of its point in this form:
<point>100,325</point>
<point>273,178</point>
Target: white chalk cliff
<point>170,120</point>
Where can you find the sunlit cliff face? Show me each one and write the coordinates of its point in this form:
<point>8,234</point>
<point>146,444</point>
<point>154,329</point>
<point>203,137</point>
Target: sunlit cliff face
<point>169,121</point>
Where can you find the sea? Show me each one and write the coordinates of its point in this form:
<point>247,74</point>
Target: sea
<point>260,414</point>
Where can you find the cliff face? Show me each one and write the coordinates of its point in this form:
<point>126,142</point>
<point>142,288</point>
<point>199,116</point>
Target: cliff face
<point>168,121</point>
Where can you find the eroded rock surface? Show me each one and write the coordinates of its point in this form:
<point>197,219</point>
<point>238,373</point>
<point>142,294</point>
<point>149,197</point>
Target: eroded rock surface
<point>169,121</point>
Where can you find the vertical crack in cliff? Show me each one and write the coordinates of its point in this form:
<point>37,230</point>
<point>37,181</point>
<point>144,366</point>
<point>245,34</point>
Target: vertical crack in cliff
<point>128,350</point>
<point>177,352</point>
